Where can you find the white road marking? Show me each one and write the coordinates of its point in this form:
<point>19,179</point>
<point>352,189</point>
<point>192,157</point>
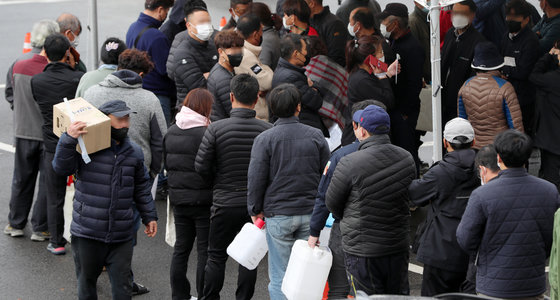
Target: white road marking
<point>7,148</point>
<point>11,2</point>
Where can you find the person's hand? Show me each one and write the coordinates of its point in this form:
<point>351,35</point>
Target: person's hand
<point>309,82</point>
<point>76,129</point>
<point>151,229</point>
<point>394,69</point>
<point>70,59</point>
<point>554,51</point>
<point>313,241</point>
<point>206,75</point>
<point>262,94</point>
<point>259,216</point>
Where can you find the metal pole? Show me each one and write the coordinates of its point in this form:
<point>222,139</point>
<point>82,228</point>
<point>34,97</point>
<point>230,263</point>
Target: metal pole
<point>94,51</point>
<point>436,81</point>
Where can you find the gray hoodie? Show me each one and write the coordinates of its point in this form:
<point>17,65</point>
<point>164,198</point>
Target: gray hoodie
<point>147,126</point>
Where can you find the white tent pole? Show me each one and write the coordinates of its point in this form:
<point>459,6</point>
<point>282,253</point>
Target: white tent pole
<point>94,51</point>
<point>436,80</point>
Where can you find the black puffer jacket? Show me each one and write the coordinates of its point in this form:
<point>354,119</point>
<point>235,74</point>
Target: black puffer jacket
<point>446,187</point>
<point>187,62</point>
<point>369,193</point>
<point>311,100</point>
<point>218,85</point>
<point>186,187</point>
<point>224,155</point>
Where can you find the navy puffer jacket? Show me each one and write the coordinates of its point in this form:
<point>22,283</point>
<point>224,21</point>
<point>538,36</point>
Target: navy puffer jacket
<point>106,190</point>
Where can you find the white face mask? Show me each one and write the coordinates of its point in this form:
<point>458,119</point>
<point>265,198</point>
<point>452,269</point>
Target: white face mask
<point>351,29</point>
<point>384,31</point>
<point>204,31</point>
<point>459,21</point>
<point>76,40</point>
<point>235,18</point>
<point>285,24</point>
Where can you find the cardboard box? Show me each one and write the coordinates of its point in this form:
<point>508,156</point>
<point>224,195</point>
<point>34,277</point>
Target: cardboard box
<point>98,136</point>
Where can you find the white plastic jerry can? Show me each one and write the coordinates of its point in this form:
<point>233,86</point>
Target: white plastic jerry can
<point>307,272</point>
<point>249,246</point>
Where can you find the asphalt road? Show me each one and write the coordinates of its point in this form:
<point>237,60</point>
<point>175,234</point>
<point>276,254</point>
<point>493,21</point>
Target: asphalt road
<point>27,270</point>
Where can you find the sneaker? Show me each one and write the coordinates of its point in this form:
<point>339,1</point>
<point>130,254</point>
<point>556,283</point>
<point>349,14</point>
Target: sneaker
<point>56,251</point>
<point>138,289</point>
<point>194,298</point>
<point>13,232</point>
<point>40,236</point>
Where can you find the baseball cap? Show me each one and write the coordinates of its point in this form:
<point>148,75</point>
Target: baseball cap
<point>393,9</point>
<point>456,128</point>
<point>116,108</point>
<point>374,119</point>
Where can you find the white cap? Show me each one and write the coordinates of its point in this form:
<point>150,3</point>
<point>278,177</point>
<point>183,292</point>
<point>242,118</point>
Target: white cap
<point>456,128</point>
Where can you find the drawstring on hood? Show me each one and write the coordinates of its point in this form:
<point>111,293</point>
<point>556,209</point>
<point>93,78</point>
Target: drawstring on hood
<point>124,79</point>
<point>188,118</point>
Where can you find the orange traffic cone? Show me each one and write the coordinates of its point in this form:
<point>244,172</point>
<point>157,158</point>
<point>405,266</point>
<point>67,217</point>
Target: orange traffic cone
<point>223,23</point>
<point>27,43</point>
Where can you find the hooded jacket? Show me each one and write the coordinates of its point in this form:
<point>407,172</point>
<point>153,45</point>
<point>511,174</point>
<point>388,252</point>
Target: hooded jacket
<point>181,143</point>
<point>188,61</point>
<point>92,78</point>
<point>368,192</point>
<point>490,104</point>
<point>107,190</point>
<point>446,188</point>
<point>147,125</point>
<point>218,85</point>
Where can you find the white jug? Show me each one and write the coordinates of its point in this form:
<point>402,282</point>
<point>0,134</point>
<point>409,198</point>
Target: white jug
<point>249,246</point>
<point>307,272</point>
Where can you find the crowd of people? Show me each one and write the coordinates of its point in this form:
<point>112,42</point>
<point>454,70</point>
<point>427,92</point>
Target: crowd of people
<point>236,125</point>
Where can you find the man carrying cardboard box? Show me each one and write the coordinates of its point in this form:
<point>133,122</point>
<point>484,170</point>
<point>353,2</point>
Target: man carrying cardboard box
<point>106,189</point>
<point>58,81</point>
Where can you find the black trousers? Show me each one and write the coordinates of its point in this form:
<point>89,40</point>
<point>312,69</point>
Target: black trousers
<point>190,222</point>
<point>27,164</point>
<point>438,281</point>
<point>338,281</point>
<point>404,134</point>
<point>56,191</point>
<point>89,258</point>
<point>550,167</point>
<point>379,275</point>
<point>225,223</point>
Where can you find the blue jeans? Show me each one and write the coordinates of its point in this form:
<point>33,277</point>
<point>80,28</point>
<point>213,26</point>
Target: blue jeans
<point>165,103</point>
<point>281,234</point>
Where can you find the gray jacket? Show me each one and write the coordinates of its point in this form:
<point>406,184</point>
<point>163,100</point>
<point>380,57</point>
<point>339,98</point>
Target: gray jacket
<point>285,169</point>
<point>270,53</point>
<point>147,126</point>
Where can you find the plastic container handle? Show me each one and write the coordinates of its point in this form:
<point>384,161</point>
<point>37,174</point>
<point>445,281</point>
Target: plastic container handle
<point>317,252</point>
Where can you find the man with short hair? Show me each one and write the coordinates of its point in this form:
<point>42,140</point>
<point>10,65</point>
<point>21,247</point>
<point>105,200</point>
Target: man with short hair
<point>338,283</point>
<point>237,8</point>
<point>509,223</point>
<point>28,139</point>
<point>58,81</point>
<point>250,27</point>
<point>145,36</point>
<point>456,56</point>
<point>369,194</point>
<point>548,28</point>
<point>347,6</point>
<point>223,158</point>
<point>284,173</point>
<point>106,189</point>
<point>71,28</point>
<point>446,188</point>
<point>520,48</point>
<point>330,29</point>
<point>363,23</point>
<point>290,69</point>
<point>408,84</point>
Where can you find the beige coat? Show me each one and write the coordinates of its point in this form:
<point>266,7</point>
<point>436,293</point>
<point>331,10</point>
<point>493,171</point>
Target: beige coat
<point>490,104</point>
<point>252,65</point>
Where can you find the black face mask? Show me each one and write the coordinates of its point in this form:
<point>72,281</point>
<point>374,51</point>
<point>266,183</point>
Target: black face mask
<point>513,26</point>
<point>555,60</point>
<point>307,60</point>
<point>235,59</point>
<point>119,134</point>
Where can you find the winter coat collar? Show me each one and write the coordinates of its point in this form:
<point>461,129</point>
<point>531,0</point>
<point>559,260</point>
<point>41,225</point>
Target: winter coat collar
<point>188,118</point>
<point>243,113</point>
<point>283,121</point>
<point>256,50</point>
<point>54,66</point>
<point>286,64</point>
<point>378,139</point>
<point>320,16</point>
<point>144,18</point>
<point>124,79</point>
<point>513,172</point>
